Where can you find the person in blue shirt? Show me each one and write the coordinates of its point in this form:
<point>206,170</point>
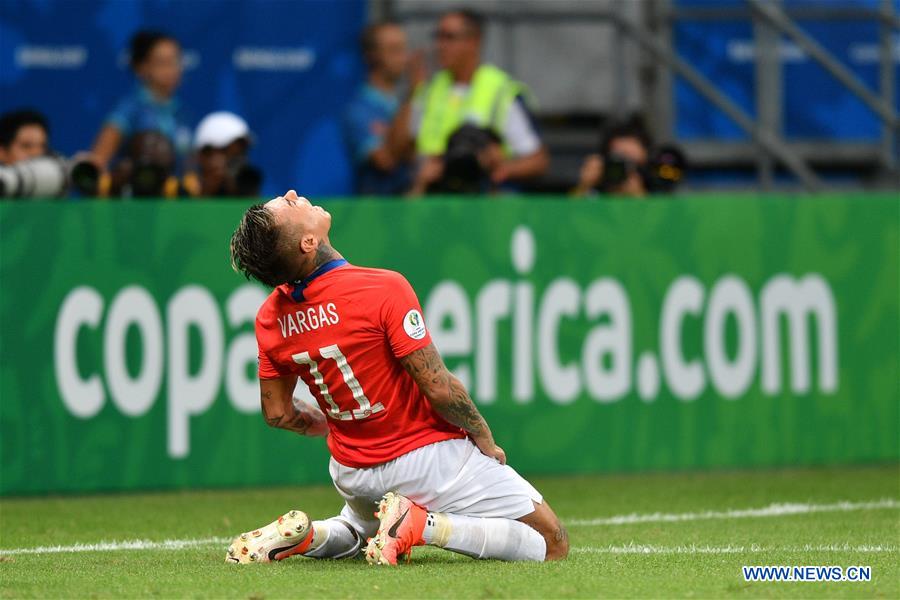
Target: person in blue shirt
<point>152,105</point>
<point>368,117</point>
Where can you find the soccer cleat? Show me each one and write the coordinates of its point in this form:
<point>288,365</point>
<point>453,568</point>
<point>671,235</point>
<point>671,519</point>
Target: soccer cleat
<point>401,527</point>
<point>289,534</point>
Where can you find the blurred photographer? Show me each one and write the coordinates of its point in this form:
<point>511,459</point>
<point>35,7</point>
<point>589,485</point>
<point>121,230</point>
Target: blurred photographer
<point>148,168</point>
<point>28,169</point>
<point>222,143</point>
<point>24,134</point>
<point>628,165</point>
<point>468,91</point>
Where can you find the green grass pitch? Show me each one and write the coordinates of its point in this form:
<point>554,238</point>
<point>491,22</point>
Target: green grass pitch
<point>696,554</point>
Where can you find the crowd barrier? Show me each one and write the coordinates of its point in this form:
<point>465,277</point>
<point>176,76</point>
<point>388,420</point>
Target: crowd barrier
<point>696,333</point>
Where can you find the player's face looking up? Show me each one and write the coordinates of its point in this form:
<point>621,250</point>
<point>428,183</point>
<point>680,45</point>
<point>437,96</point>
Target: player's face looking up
<point>303,233</point>
<point>297,216</point>
<point>282,240</point>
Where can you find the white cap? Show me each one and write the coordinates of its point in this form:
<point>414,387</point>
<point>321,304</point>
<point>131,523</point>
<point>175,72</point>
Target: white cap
<point>219,129</point>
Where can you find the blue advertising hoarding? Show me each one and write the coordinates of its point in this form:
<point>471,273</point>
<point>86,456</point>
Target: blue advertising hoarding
<point>287,66</point>
<point>816,105</point>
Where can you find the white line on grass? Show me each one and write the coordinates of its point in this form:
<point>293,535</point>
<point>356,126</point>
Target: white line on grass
<point>773,510</point>
<point>120,545</point>
<point>633,548</point>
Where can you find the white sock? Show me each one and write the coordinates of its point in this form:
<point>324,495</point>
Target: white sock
<point>504,539</point>
<point>333,538</point>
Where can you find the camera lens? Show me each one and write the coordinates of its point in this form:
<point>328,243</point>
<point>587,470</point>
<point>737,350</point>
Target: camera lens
<point>86,178</point>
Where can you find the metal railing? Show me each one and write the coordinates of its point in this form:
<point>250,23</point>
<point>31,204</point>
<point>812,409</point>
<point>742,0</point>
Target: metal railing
<point>771,20</point>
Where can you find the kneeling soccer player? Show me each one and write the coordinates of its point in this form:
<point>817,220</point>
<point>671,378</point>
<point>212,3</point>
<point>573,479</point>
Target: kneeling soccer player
<point>402,430</point>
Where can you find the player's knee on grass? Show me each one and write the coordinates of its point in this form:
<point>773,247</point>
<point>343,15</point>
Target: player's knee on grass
<point>545,522</point>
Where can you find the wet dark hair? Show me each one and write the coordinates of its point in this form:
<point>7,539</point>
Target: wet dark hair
<point>12,122</point>
<point>632,126</point>
<point>256,249</point>
<point>143,42</point>
<point>474,20</point>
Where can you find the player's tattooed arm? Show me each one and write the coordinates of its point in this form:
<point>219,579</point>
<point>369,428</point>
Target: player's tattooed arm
<point>448,396</point>
<point>446,392</point>
<point>305,420</point>
<point>280,410</point>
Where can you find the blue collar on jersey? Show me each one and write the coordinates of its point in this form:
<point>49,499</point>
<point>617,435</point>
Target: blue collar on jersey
<point>299,286</point>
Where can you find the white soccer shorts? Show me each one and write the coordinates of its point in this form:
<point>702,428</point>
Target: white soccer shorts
<point>451,476</point>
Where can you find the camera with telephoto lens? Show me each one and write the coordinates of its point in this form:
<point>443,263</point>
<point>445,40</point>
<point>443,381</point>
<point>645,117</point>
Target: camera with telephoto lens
<point>662,173</point>
<point>616,169</point>
<point>225,173</point>
<point>464,170</point>
<point>48,176</point>
<point>147,169</point>
<point>245,179</point>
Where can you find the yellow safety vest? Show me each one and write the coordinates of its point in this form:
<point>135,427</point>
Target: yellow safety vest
<point>486,104</point>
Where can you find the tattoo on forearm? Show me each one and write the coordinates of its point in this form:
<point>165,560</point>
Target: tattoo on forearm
<point>296,422</point>
<point>293,421</point>
<point>270,421</point>
<point>428,370</point>
<point>461,411</point>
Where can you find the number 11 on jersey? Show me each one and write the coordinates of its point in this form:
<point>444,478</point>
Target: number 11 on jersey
<point>365,409</point>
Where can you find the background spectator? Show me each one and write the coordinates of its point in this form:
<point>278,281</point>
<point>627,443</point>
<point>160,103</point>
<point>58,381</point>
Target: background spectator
<point>621,166</point>
<point>24,134</point>
<point>378,169</point>
<point>467,91</point>
<point>152,105</point>
<point>222,142</point>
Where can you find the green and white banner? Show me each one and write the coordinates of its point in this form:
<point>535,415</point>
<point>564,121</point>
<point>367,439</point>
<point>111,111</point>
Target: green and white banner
<point>595,336</point>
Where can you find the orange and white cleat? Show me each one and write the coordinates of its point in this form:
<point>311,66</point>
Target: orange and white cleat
<point>402,524</point>
<point>289,534</point>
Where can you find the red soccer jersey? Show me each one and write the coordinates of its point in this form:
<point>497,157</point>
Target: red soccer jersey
<point>343,338</point>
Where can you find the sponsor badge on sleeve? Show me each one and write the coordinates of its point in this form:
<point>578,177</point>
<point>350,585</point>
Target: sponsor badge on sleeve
<point>414,324</point>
